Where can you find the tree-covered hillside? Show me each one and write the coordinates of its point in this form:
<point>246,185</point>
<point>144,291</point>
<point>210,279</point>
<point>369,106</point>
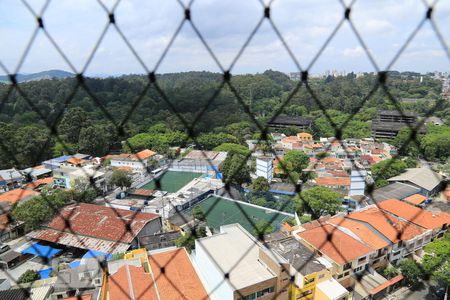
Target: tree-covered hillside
<point>83,126</point>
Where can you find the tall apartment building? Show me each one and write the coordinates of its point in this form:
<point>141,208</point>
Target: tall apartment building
<point>264,167</point>
<point>387,123</point>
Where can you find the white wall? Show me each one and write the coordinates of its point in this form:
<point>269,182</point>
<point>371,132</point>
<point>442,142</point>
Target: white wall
<point>216,286</point>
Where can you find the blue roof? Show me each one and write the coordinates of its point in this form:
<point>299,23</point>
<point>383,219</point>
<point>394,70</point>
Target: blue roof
<point>93,253</point>
<point>61,158</point>
<point>41,250</point>
<point>45,273</point>
<point>75,264</point>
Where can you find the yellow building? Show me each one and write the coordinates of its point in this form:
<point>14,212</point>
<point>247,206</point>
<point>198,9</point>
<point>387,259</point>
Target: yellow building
<point>312,275</point>
<point>304,136</point>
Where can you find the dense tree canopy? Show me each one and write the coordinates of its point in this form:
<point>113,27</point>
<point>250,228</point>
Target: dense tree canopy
<point>260,184</point>
<point>235,169</point>
<point>318,201</point>
<point>386,169</point>
<point>436,261</point>
<point>120,178</point>
<point>84,126</point>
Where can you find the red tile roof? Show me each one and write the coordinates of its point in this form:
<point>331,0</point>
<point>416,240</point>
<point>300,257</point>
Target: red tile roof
<point>415,199</point>
<point>333,181</point>
<point>179,279</point>
<point>101,222</point>
<point>361,231</point>
<point>391,227</point>
<point>335,244</point>
<point>290,139</point>
<point>421,217</point>
<point>16,195</point>
<point>37,183</point>
<point>386,284</point>
<point>144,154</point>
<point>75,161</point>
<point>131,282</point>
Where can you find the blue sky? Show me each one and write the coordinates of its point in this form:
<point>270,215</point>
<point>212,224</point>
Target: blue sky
<point>305,24</point>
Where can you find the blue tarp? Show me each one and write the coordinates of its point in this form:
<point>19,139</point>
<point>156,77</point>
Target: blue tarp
<point>45,273</point>
<point>41,250</point>
<point>74,264</point>
<point>93,253</point>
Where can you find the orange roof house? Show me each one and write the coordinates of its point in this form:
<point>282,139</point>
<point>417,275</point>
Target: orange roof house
<point>77,162</point>
<point>416,199</point>
<point>131,282</point>
<point>415,215</point>
<point>391,227</point>
<point>168,275</point>
<point>335,244</point>
<point>38,183</point>
<point>16,195</point>
<point>370,238</point>
<point>333,181</point>
<point>179,280</point>
<point>145,154</point>
<point>289,139</point>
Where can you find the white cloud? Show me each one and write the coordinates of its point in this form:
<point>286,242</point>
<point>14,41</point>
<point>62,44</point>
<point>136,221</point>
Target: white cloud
<point>225,25</point>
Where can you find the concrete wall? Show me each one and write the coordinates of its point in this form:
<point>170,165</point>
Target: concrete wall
<point>215,284</point>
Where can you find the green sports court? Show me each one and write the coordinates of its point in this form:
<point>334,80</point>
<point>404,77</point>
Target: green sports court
<point>220,211</point>
<point>172,181</point>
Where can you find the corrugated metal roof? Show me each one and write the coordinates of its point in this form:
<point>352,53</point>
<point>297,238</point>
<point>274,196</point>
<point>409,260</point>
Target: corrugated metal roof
<point>83,242</point>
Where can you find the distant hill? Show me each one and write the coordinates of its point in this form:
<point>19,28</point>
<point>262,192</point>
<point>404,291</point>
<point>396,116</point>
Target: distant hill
<point>50,74</point>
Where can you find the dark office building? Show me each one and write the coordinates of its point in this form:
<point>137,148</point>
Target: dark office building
<point>387,123</point>
<point>288,121</point>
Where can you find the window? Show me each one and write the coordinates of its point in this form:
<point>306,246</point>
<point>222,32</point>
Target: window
<point>347,266</point>
<point>258,294</point>
<point>340,276</point>
<point>347,273</point>
<point>304,294</point>
<point>361,260</point>
<point>358,269</point>
<point>308,281</point>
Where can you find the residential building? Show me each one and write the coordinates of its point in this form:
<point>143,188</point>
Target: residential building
<point>437,222</point>
<point>342,183</point>
<point>162,275</point>
<point>17,195</point>
<point>69,177</point>
<point>9,228</point>
<point>264,167</point>
<point>86,278</point>
<point>416,199</point>
<point>357,182</point>
<point>428,181</point>
<point>347,254</point>
<point>56,162</point>
<point>406,238</point>
<point>10,179</point>
<point>98,228</point>
<point>305,137</point>
<point>137,162</point>
<point>36,173</point>
<point>305,267</point>
<point>234,265</point>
